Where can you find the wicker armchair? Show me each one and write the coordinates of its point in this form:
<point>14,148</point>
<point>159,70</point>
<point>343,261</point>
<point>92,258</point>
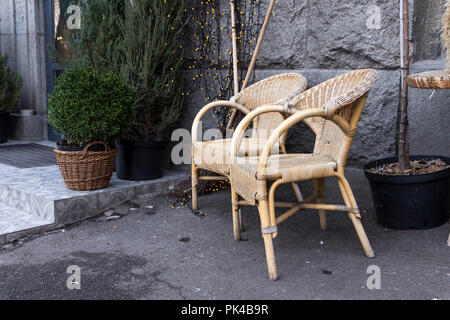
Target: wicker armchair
<point>214,155</point>
<point>332,110</point>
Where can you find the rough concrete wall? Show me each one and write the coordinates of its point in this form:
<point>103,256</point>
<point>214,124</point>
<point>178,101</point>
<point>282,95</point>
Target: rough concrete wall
<point>426,30</point>
<point>324,38</point>
<point>429,114</point>
<point>429,110</point>
<point>22,39</point>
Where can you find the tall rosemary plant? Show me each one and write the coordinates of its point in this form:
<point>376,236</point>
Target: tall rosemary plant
<point>152,63</point>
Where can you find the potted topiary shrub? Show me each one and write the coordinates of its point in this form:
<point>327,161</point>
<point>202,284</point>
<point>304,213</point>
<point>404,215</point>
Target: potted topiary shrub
<point>141,41</point>
<point>411,192</point>
<point>10,86</point>
<point>90,109</point>
<point>152,64</point>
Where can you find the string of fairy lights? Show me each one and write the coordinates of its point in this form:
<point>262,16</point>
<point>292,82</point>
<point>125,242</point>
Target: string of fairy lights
<point>210,62</point>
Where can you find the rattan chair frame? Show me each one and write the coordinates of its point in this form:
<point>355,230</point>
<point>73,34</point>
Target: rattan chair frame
<point>329,113</point>
<point>249,95</point>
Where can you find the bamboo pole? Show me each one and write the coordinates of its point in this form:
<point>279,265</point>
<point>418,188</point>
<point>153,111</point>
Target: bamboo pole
<point>258,45</point>
<point>403,138</point>
<point>254,56</point>
<point>234,44</point>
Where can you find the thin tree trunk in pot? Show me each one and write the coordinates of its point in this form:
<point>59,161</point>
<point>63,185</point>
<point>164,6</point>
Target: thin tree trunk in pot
<point>404,137</point>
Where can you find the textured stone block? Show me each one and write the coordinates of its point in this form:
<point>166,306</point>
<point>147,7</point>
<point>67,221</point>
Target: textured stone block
<point>429,114</point>
<point>338,36</point>
<point>286,36</point>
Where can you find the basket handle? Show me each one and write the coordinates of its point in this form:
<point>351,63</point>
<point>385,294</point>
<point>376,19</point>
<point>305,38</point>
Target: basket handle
<point>85,150</point>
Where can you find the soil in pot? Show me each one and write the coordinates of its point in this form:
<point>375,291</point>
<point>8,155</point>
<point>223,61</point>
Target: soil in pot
<point>418,200</point>
<point>140,160</point>
<point>64,146</point>
<point>4,126</point>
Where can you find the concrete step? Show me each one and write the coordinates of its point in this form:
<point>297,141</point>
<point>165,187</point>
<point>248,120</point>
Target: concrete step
<point>14,221</point>
<point>41,193</point>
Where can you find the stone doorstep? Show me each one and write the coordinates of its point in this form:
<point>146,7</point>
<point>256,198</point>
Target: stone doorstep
<point>40,201</point>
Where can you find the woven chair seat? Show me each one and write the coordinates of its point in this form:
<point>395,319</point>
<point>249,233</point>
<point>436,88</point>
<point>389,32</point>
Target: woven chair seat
<point>287,167</point>
<point>215,155</point>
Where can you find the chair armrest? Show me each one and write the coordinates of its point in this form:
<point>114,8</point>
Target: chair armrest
<point>210,106</point>
<point>293,120</point>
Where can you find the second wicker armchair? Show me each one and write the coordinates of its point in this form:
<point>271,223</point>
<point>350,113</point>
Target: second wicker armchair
<point>332,110</point>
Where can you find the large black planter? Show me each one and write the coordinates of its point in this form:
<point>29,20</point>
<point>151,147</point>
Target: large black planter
<point>410,202</point>
<point>4,126</point>
<point>140,160</point>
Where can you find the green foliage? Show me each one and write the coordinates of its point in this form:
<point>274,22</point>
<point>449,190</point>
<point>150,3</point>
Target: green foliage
<point>98,43</point>
<point>153,64</point>
<point>10,86</point>
<point>88,106</point>
<point>141,41</point>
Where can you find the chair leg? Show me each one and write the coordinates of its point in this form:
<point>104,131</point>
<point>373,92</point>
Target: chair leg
<point>319,186</point>
<point>350,201</point>
<point>270,257</point>
<point>263,208</point>
<point>362,235</point>
<point>194,187</point>
<point>241,220</point>
<point>236,215</point>
<point>298,193</point>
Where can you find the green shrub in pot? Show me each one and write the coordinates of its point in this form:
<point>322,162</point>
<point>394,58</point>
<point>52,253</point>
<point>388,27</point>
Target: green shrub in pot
<point>142,41</point>
<point>88,106</point>
<point>10,87</point>
<point>152,63</point>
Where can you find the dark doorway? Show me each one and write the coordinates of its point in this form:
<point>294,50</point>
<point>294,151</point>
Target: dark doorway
<point>55,33</point>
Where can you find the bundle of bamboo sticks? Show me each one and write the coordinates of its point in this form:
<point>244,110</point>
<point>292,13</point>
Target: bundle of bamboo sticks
<point>445,34</point>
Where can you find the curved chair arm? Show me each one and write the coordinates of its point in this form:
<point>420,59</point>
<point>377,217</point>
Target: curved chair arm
<point>210,106</point>
<point>245,123</point>
<point>293,120</point>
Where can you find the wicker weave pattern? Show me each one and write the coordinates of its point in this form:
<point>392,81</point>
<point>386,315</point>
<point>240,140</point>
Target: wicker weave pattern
<point>332,110</point>
<point>277,89</point>
<point>215,155</point>
<point>337,97</point>
<point>287,167</point>
<point>341,99</point>
<point>86,170</point>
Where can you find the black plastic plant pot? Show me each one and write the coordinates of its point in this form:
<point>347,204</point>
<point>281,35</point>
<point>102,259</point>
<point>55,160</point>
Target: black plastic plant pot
<point>410,202</point>
<point>4,126</point>
<point>140,160</point>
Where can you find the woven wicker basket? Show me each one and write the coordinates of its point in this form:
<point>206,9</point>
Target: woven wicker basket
<point>86,170</point>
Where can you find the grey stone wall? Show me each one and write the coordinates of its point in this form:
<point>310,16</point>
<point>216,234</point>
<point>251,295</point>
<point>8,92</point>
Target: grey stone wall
<point>324,38</point>
<point>427,25</point>
<point>429,115</point>
<point>429,110</point>
<point>22,39</point>
<point>318,38</point>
